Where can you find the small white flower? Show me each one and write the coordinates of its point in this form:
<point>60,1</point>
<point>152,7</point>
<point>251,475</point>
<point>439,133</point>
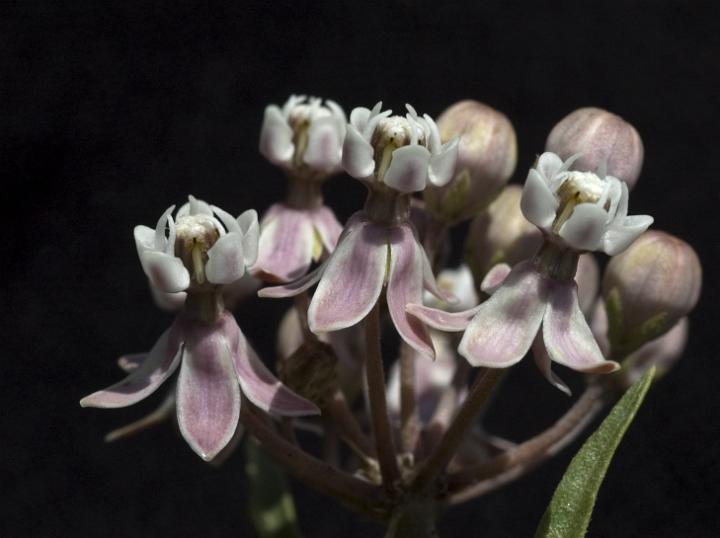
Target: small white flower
<point>583,210</point>
<point>304,136</point>
<point>404,153</point>
<point>204,243</point>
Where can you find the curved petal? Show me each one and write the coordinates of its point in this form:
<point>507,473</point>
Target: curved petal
<point>405,285</point>
<point>359,117</point>
<point>505,325</point>
<point>226,263</point>
<point>585,227</point>
<point>538,203</point>
<point>248,222</point>
<point>442,165</point>
<point>327,227</point>
<point>544,364</point>
<point>430,282</point>
<point>548,165</point>
<point>276,137</point>
<point>293,288</point>
<point>352,280</point>
<point>144,238</point>
<point>495,277</point>
<point>357,154</point>
<point>160,364</point>
<point>263,389</point>
<point>441,320</point>
<point>285,245</point>
<point>568,339</point>
<point>324,145</point>
<point>208,395</point>
<point>167,273</point>
<point>408,171</point>
<point>618,238</point>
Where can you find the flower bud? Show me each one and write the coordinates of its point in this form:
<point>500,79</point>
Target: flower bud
<point>486,159</point>
<point>602,139</point>
<point>648,288</point>
<point>501,234</point>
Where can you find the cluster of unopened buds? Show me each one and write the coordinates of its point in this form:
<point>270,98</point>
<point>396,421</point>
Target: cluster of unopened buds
<point>531,284</point>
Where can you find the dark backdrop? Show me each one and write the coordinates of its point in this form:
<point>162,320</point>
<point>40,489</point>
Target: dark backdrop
<point>111,111</point>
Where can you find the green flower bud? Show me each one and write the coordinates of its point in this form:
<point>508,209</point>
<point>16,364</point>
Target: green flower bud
<point>648,288</point>
<point>501,234</point>
<point>602,139</point>
<point>486,159</point>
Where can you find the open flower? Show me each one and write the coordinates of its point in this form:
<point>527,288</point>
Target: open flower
<point>304,136</point>
<point>403,153</point>
<point>584,211</point>
<point>577,211</point>
<point>199,254</point>
<point>369,257</point>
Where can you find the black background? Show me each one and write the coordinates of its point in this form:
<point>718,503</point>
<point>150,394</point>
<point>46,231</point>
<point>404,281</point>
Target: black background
<point>111,111</point>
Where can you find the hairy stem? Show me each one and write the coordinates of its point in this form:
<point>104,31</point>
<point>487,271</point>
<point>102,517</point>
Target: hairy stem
<point>461,424</point>
<point>347,425</point>
<point>384,444</point>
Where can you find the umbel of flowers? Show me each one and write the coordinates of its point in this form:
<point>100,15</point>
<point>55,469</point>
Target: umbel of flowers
<point>420,441</point>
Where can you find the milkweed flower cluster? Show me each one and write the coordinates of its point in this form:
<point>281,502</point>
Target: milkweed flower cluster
<point>531,284</point>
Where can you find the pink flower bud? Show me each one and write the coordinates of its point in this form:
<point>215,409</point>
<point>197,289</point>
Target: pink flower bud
<point>602,139</point>
<point>648,288</point>
<point>500,235</point>
<point>486,159</point>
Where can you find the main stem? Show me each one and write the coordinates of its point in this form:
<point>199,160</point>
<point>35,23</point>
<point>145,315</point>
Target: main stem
<point>384,444</point>
<point>463,422</point>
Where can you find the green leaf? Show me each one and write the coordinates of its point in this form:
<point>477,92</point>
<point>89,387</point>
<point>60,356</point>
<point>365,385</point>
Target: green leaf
<point>569,511</point>
<point>270,503</point>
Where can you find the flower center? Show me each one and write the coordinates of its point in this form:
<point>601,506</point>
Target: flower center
<point>578,188</point>
<point>195,235</point>
<point>391,134</point>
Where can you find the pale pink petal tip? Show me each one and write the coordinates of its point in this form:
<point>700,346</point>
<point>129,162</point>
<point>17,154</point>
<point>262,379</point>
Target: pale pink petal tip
<point>441,320</point>
<point>285,244</point>
<point>494,278</point>
<point>544,364</point>
<point>293,288</point>
<point>505,325</point>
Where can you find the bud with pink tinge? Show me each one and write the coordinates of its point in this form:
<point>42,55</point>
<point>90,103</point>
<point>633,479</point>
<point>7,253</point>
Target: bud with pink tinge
<point>486,159</point>
<point>602,139</point>
<point>648,288</point>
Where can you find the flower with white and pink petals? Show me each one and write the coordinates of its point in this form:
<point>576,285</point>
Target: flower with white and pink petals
<point>379,248</point>
<point>577,212</point>
<point>402,152</point>
<point>199,252</point>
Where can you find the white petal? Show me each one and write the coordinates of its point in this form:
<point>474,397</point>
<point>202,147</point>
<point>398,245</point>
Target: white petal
<point>324,145</point>
<point>225,259</point>
<point>408,171</point>
<point>538,203</point>
<point>276,137</point>
<point>167,273</point>
<point>248,222</point>
<point>442,165</point>
<point>618,238</point>
<point>357,154</point>
<point>548,165</point>
<point>585,228</point>
<point>359,117</point>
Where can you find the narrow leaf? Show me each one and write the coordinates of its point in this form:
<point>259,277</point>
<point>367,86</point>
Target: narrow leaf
<point>270,503</point>
<point>569,511</point>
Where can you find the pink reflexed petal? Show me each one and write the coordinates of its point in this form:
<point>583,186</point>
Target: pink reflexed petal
<point>263,389</point>
<point>599,326</point>
<point>293,288</point>
<point>538,203</point>
<point>494,278</point>
<point>285,245</point>
<point>505,325</point>
<point>430,282</point>
<point>568,339</point>
<point>225,259</point>
<point>585,227</point>
<point>544,364</point>
<point>408,171</point>
<point>327,227</point>
<point>276,137</point>
<point>352,280</point>
<point>442,165</point>
<point>441,320</point>
<point>357,154</point>
<point>324,145</point>
<point>160,364</point>
<point>405,285</point>
<point>167,273</point>
<point>208,395</point>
